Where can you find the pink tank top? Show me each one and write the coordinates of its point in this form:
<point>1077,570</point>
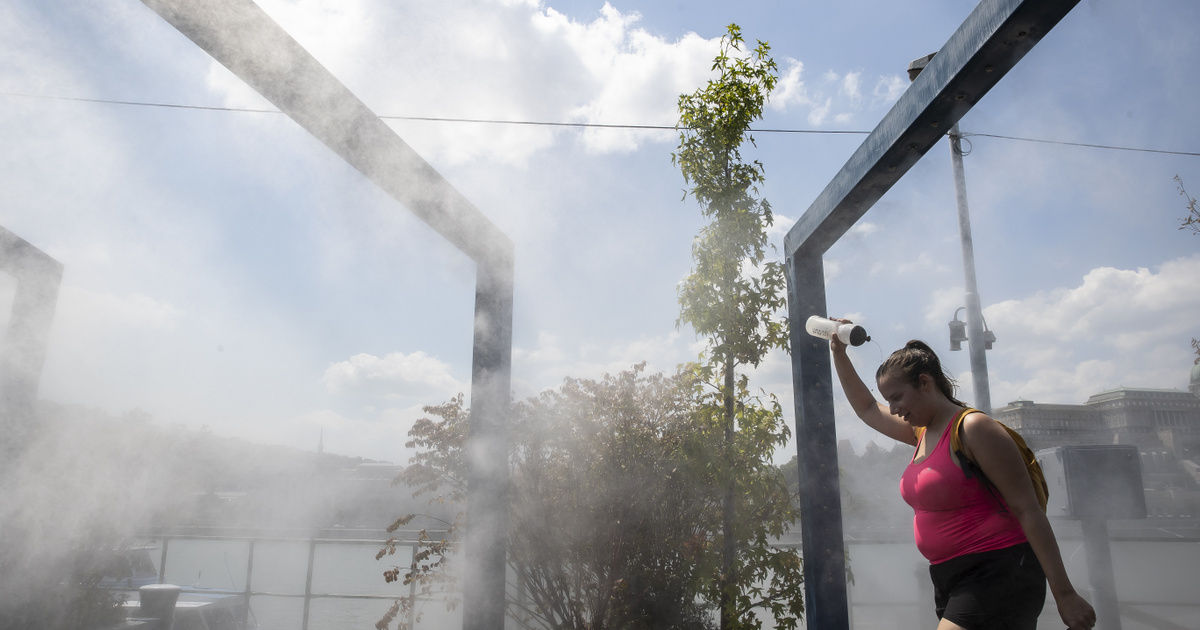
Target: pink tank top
<point>955,515</point>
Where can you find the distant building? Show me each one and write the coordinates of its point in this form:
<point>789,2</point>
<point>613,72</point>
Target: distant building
<point>1152,418</point>
<point>1148,418</point>
<point>1047,426</point>
<point>1163,424</point>
<point>1194,385</point>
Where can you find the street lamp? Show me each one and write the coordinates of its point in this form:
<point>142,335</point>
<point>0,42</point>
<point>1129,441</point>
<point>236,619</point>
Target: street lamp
<point>958,332</point>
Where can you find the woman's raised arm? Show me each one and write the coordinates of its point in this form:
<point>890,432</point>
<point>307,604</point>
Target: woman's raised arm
<point>874,413</point>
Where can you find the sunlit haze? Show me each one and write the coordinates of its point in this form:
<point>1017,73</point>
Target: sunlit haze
<point>223,269</point>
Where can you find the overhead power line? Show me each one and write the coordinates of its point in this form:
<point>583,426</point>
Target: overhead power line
<point>1082,144</point>
<point>143,104</point>
<point>536,123</point>
<point>491,121</point>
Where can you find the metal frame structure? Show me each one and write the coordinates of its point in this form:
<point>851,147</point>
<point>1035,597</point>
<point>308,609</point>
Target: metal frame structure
<point>243,38</point>
<point>23,352</point>
<point>989,43</point>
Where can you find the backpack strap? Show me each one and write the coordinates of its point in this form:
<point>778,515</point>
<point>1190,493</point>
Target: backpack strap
<point>956,444</point>
<point>969,467</point>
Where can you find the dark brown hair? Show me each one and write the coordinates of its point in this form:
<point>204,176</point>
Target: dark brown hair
<point>913,360</point>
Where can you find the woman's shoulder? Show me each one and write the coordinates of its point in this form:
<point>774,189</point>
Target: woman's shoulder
<point>979,430</point>
<point>974,419</point>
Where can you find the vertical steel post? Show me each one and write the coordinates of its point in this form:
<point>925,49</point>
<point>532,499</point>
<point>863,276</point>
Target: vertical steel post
<point>312,552</point>
<point>816,444</point>
<point>162,561</point>
<point>249,576</point>
<point>23,345</point>
<point>976,344</point>
<point>1100,572</point>
<point>487,449</point>
<point>412,589</point>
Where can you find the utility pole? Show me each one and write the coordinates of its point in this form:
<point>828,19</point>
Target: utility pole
<point>977,339</point>
<point>976,342</point>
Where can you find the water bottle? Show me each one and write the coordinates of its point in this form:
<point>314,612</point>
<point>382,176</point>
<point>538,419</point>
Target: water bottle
<point>851,334</point>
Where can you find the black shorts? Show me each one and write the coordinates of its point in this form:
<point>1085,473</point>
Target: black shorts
<point>994,590</point>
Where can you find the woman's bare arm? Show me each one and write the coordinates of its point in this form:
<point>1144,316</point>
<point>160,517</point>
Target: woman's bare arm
<point>988,444</point>
<point>874,413</point>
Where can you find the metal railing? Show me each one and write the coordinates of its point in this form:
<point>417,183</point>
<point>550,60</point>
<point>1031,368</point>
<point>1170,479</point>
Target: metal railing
<point>1143,612</point>
<point>322,537</point>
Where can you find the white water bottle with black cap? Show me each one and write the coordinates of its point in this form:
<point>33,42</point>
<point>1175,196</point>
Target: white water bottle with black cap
<point>851,334</point>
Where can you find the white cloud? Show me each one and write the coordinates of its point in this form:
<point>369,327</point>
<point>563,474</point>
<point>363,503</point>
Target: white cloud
<point>108,314</point>
<point>545,365</point>
<point>508,60</point>
<point>790,90</point>
<point>637,77</point>
<point>375,436</point>
<point>820,112</point>
<point>843,103</point>
<point>393,376</point>
<point>844,118</point>
<point>851,87</point>
<point>863,228</point>
<point>779,227</point>
<point>1123,308</point>
<point>889,88</point>
<point>520,60</point>
<point>923,263</point>
<point>1119,327</point>
<point>547,351</point>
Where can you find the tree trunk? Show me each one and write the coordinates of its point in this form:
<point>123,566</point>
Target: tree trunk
<point>729,550</point>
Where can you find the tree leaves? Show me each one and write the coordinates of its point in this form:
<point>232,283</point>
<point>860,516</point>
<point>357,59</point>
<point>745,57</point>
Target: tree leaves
<point>733,295</point>
<point>735,298</point>
<point>615,512</point>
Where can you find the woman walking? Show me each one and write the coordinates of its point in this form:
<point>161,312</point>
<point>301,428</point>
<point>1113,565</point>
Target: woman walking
<point>990,546</point>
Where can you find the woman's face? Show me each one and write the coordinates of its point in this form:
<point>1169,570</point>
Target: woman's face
<point>911,402</point>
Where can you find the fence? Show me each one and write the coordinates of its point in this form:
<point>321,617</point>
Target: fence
<point>1157,570</point>
<point>338,537</point>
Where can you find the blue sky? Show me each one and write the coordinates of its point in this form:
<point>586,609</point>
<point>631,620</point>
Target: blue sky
<point>226,270</point>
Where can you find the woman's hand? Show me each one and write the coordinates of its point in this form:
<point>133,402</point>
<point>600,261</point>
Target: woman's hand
<point>1076,612</point>
<point>836,344</point>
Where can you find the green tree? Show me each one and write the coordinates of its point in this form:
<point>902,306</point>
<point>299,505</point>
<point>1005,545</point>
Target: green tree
<point>610,505</point>
<point>437,471</point>
<point>735,297</point>
<point>612,513</point>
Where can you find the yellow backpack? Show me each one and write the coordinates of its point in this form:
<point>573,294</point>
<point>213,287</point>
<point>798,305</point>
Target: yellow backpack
<point>972,469</point>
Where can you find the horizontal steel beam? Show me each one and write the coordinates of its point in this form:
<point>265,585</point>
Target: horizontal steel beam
<point>985,47</point>
<point>243,38</point>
